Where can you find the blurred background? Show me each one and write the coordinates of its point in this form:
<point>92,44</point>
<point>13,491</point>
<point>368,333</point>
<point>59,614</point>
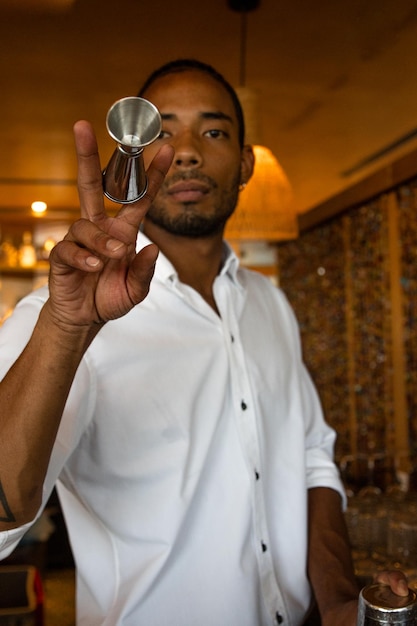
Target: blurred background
<point>335,92</point>
<point>336,82</point>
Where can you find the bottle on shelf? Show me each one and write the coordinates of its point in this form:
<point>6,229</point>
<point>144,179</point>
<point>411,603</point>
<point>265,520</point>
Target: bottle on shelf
<point>27,252</point>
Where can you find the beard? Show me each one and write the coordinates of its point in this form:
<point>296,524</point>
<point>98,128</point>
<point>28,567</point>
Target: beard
<point>192,221</point>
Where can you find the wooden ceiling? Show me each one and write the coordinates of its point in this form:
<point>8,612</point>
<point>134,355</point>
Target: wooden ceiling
<point>336,80</point>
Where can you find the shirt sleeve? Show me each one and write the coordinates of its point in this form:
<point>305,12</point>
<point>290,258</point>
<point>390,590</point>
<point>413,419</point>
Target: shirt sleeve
<point>9,539</point>
<point>14,335</point>
<point>321,470</point>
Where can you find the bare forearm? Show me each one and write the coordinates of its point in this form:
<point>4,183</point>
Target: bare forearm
<point>330,565</point>
<point>32,399</point>
<point>96,276</point>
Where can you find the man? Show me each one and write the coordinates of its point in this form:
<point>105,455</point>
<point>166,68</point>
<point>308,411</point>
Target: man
<point>193,462</point>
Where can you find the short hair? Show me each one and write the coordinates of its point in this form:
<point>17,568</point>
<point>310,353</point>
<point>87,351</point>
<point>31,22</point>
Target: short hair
<point>184,65</point>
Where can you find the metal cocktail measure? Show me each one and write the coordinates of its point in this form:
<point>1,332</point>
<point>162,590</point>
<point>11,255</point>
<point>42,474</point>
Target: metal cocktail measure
<point>133,123</point>
<point>379,605</point>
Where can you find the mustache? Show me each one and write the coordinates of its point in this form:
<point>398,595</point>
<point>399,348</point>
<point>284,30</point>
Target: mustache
<point>188,175</point>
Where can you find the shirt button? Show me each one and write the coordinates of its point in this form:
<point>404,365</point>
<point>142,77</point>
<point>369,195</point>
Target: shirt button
<point>257,476</point>
<point>264,546</point>
<point>279,618</point>
<point>243,405</point>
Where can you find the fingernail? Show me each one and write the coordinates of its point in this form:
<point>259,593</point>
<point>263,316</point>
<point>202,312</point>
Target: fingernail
<point>113,245</point>
<point>92,261</point>
<point>403,586</point>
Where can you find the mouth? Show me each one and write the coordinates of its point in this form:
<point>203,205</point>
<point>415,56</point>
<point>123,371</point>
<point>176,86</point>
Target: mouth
<point>188,190</point>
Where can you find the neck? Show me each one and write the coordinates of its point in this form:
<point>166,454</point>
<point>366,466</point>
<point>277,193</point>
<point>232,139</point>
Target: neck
<point>197,260</point>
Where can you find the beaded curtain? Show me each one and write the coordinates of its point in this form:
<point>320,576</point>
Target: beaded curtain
<point>311,274</point>
<point>337,278</point>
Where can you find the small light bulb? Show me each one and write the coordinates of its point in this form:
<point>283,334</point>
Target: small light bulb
<point>38,206</point>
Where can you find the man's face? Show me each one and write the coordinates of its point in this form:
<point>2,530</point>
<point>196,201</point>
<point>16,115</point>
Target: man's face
<point>201,188</point>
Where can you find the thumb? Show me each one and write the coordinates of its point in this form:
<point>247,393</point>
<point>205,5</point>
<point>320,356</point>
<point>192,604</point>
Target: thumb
<point>141,272</point>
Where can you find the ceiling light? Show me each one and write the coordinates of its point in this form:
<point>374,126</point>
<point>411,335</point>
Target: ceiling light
<point>39,206</point>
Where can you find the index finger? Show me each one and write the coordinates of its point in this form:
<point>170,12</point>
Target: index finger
<point>90,187</point>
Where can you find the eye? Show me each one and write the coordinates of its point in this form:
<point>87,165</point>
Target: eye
<point>216,133</point>
<point>164,134</point>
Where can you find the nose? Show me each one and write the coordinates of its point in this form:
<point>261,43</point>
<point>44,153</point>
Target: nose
<point>187,151</point>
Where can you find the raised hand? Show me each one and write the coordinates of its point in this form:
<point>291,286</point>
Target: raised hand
<point>96,274</point>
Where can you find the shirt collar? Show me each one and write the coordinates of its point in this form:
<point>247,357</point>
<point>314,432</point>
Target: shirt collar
<point>165,271</point>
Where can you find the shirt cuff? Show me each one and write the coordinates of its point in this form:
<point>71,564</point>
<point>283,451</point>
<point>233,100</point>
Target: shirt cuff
<point>9,539</point>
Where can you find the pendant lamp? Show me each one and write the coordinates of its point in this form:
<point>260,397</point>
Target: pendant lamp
<point>266,208</point>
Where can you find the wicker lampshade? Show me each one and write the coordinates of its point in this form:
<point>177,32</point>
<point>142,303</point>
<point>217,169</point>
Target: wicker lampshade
<point>266,209</point>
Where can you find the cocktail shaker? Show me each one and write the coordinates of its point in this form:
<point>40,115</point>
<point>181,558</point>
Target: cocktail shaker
<point>379,605</point>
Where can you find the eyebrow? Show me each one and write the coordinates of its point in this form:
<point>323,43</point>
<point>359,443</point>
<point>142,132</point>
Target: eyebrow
<point>216,115</point>
<point>205,115</point>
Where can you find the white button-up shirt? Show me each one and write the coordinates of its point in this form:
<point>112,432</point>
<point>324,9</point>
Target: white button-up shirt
<point>184,456</point>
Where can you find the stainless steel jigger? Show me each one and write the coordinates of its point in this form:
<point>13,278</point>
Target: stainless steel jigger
<point>379,605</point>
<point>133,123</point>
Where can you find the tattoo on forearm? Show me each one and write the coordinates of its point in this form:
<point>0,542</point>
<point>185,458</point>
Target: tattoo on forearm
<point>6,514</point>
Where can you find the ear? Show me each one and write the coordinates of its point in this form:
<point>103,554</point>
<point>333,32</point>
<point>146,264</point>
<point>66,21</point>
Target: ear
<point>247,164</point>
